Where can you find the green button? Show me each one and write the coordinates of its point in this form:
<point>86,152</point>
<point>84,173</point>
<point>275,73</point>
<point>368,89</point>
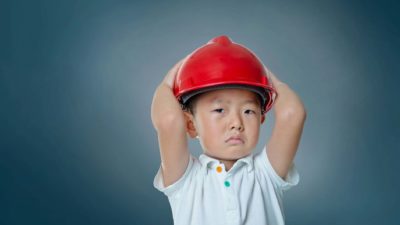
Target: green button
<point>227,183</point>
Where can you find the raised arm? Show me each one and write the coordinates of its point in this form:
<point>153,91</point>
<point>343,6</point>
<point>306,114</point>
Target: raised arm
<point>290,116</point>
<point>169,121</point>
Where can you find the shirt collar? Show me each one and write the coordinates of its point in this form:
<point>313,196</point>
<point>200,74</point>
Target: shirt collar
<point>248,160</point>
<point>208,162</point>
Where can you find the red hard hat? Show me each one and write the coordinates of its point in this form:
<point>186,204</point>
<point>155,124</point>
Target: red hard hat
<point>222,63</point>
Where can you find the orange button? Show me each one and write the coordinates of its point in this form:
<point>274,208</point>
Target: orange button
<point>219,169</point>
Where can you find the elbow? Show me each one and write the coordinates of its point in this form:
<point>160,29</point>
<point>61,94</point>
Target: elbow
<point>293,114</point>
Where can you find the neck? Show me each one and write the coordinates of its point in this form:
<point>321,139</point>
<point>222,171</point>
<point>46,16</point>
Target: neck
<point>228,163</point>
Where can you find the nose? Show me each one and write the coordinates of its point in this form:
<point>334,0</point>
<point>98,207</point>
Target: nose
<point>236,123</point>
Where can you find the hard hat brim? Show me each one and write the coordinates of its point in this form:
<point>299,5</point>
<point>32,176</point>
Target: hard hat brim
<point>261,92</point>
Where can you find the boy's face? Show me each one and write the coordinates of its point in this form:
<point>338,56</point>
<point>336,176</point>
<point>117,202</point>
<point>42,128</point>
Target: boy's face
<point>227,122</point>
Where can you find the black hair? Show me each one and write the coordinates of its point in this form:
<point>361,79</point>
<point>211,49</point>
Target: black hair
<point>189,105</point>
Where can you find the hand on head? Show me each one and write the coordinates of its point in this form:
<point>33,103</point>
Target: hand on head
<point>170,77</point>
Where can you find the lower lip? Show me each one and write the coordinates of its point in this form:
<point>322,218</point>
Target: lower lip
<point>235,141</point>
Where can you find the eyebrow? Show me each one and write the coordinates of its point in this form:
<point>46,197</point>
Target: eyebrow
<point>219,100</point>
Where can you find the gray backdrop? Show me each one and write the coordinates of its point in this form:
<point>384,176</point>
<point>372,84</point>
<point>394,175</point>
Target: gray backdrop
<point>77,80</point>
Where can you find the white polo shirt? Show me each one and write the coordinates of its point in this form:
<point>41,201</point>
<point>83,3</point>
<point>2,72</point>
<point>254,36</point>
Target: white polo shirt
<point>249,193</point>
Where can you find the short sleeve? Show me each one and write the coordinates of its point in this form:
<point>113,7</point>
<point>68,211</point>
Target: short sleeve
<point>170,190</point>
<point>292,178</point>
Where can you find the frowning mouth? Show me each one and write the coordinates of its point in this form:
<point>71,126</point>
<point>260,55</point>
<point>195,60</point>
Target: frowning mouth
<point>234,140</point>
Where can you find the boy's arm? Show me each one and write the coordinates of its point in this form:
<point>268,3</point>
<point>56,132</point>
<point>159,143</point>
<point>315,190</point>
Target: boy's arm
<point>169,121</point>
<point>290,116</point>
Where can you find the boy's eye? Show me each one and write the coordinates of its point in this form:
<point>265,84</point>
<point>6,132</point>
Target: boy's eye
<point>218,110</point>
<point>249,111</point>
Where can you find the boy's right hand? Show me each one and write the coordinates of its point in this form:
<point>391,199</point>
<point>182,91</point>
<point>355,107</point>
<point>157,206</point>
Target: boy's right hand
<point>164,103</point>
<point>170,77</point>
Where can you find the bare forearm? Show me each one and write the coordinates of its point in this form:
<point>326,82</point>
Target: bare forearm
<point>284,141</point>
<point>290,116</point>
<point>169,121</point>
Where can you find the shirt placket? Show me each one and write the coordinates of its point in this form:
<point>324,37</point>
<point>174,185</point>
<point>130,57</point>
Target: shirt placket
<point>231,203</point>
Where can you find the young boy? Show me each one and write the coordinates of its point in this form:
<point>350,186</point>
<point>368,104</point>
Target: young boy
<point>220,94</point>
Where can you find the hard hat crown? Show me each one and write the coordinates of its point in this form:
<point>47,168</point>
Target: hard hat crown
<point>222,63</point>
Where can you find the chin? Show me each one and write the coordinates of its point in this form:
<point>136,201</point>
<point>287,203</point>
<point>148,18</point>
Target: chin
<point>230,153</point>
<point>235,155</point>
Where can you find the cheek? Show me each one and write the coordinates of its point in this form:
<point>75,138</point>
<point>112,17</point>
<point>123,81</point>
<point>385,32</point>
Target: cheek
<point>209,128</point>
<point>256,135</point>
<point>255,131</point>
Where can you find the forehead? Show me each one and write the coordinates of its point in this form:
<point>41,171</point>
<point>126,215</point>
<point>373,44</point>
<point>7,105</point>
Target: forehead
<point>229,95</point>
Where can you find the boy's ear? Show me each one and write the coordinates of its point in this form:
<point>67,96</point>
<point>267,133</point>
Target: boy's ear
<point>190,128</point>
<point>262,118</point>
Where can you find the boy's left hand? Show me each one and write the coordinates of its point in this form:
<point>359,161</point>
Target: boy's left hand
<point>287,101</point>
<point>290,116</point>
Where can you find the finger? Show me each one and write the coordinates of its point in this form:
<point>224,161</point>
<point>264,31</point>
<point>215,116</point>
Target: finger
<point>170,77</point>
<point>177,65</point>
<point>272,76</point>
<point>175,68</point>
